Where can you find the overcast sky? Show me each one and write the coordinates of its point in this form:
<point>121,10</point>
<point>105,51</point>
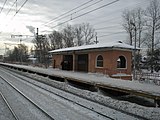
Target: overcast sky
<point>39,13</point>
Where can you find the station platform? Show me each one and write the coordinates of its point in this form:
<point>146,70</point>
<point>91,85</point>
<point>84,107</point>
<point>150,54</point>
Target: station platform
<point>94,81</point>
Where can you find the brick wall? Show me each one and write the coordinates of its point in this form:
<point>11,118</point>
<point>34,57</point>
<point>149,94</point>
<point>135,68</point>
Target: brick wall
<point>58,59</point>
<point>110,58</point>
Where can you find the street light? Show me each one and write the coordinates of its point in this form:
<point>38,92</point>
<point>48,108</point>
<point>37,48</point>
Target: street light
<point>134,62</point>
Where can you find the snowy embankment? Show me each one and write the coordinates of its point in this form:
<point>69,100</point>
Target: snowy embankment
<point>131,108</point>
<point>147,112</point>
<point>96,79</point>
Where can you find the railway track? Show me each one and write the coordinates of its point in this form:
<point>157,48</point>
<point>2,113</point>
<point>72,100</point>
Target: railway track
<point>8,105</point>
<point>90,109</point>
<point>63,97</point>
<point>14,114</point>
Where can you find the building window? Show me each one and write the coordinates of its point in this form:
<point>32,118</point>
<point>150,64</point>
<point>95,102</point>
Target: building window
<point>121,62</point>
<point>99,61</point>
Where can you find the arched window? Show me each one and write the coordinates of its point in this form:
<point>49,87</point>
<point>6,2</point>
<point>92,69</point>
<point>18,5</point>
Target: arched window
<point>99,61</point>
<point>121,62</point>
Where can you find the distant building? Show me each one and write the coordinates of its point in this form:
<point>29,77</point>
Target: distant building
<point>113,59</point>
<point>32,59</point>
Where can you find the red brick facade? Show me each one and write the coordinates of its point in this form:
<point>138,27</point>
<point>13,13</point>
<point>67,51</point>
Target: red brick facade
<point>109,64</point>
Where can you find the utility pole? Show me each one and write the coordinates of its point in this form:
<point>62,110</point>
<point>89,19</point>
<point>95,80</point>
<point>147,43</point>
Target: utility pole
<point>40,48</point>
<point>96,41</point>
<point>21,60</point>
<point>134,62</point>
<point>135,54</point>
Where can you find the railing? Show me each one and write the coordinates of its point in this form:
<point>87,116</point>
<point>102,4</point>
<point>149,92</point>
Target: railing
<point>153,78</point>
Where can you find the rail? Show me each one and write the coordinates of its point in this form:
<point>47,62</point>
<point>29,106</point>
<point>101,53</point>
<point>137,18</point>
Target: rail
<point>27,99</point>
<point>77,102</point>
<point>8,105</point>
<point>55,93</point>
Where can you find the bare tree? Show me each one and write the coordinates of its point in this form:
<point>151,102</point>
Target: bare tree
<point>153,22</point>
<point>140,25</point>
<point>23,52</point>
<point>42,47</point>
<point>56,40</point>
<point>78,35</point>
<point>133,24</point>
<point>18,54</point>
<point>127,24</point>
<point>88,32</point>
<point>84,34</point>
<point>68,36</point>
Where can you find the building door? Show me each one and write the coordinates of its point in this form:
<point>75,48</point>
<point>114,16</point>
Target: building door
<point>82,63</point>
<point>67,62</point>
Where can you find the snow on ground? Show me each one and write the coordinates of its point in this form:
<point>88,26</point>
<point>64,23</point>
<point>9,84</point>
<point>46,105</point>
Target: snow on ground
<point>97,78</point>
<point>148,112</point>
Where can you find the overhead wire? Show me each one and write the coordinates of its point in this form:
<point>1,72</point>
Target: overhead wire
<point>11,7</point>
<point>114,33</point>
<point>3,6</point>
<point>68,11</point>
<point>111,34</point>
<point>111,13</point>
<point>19,9</point>
<point>87,12</point>
<point>137,4</point>
<point>76,11</point>
<point>60,15</point>
<point>102,28</point>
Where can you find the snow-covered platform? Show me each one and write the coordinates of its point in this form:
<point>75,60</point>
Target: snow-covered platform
<point>96,80</point>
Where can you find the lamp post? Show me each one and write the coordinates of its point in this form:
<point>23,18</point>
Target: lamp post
<point>134,62</point>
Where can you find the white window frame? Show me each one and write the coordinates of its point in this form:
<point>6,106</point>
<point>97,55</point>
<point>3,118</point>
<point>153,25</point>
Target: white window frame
<point>97,61</point>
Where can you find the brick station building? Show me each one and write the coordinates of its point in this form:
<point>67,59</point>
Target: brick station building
<point>113,59</point>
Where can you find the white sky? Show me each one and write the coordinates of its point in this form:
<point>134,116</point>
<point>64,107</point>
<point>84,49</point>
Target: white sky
<point>36,13</point>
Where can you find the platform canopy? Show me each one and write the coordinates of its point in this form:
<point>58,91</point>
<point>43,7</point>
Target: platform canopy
<point>118,45</point>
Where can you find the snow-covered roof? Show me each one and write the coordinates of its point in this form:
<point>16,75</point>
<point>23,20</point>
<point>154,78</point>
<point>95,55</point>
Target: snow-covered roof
<point>118,44</point>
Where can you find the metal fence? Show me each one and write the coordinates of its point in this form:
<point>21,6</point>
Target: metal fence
<point>153,78</point>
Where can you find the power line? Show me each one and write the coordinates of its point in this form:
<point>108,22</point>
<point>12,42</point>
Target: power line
<point>11,7</point>
<point>112,34</point>
<point>68,11</point>
<point>3,6</point>
<point>87,12</point>
<point>19,9</point>
<point>119,10</point>
<point>112,19</point>
<point>113,26</point>
<point>76,11</point>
